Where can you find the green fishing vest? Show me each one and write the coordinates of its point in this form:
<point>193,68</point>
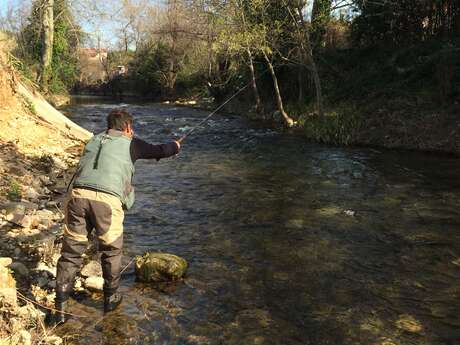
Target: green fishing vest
<point>106,166</point>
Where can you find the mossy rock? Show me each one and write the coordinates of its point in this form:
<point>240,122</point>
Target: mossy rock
<point>159,267</point>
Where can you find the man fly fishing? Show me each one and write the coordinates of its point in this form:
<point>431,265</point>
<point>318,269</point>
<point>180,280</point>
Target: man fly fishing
<point>96,200</point>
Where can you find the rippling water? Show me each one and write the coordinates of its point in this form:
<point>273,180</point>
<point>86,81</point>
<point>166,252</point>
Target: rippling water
<point>288,242</point>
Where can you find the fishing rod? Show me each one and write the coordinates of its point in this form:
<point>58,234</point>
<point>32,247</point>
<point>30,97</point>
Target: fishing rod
<point>190,131</point>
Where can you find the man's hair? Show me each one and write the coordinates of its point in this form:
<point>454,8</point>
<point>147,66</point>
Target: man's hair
<point>119,119</point>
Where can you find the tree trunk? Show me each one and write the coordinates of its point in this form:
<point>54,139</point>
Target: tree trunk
<point>319,93</point>
<point>301,83</point>
<point>305,46</point>
<point>259,107</point>
<point>289,122</point>
<point>48,39</point>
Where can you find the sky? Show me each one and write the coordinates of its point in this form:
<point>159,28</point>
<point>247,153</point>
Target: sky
<point>91,24</point>
<point>85,12</point>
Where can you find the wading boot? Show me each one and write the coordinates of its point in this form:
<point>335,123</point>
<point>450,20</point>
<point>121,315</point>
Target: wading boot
<point>61,306</point>
<point>112,301</point>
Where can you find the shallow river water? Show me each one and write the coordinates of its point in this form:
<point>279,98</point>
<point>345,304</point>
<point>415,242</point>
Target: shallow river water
<point>288,242</point>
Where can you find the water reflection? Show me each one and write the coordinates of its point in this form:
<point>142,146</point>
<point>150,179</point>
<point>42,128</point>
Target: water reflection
<point>288,242</point>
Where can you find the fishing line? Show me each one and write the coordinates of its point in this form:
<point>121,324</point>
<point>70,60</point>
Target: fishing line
<point>218,108</point>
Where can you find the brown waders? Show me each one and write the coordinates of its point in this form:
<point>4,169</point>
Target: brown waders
<point>86,211</point>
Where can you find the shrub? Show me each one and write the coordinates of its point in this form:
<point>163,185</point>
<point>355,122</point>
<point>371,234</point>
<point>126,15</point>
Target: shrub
<point>14,192</point>
<point>333,128</point>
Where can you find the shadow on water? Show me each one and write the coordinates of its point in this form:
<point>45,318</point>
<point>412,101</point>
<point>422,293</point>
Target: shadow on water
<point>288,242</point>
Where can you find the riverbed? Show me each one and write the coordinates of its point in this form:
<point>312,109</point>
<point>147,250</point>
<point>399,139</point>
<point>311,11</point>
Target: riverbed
<point>288,242</point>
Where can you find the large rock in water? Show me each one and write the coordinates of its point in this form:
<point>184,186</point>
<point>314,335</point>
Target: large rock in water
<point>159,267</point>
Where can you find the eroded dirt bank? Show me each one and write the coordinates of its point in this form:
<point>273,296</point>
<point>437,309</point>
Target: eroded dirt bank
<point>38,149</point>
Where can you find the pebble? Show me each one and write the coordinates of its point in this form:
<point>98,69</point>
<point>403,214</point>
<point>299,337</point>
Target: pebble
<point>78,284</point>
<point>25,338</point>
<point>50,298</point>
<point>42,281</point>
<point>53,340</point>
<point>31,193</point>
<point>51,203</point>
<point>45,180</point>
<point>45,268</point>
<point>60,164</point>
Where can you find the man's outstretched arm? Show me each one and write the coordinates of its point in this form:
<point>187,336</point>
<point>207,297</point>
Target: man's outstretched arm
<point>143,150</point>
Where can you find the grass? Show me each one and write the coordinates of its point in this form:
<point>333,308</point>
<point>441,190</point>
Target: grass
<point>14,192</point>
<point>29,106</point>
<point>338,127</point>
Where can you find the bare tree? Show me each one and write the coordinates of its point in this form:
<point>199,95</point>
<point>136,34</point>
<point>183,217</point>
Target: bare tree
<point>48,39</point>
<point>302,39</point>
<point>259,106</point>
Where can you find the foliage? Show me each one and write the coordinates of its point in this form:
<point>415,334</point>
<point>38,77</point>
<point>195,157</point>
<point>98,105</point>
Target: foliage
<point>339,128</point>
<point>14,192</point>
<point>63,71</point>
<point>321,15</point>
<point>149,68</point>
<point>405,22</point>
<point>21,67</point>
<point>29,106</point>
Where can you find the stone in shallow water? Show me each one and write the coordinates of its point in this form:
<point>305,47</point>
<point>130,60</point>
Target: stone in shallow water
<point>159,267</point>
<point>409,324</point>
<point>92,268</point>
<point>94,283</point>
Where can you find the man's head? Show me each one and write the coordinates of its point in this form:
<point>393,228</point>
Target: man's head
<point>120,120</point>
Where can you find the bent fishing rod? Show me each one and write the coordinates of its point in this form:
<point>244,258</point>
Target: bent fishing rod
<point>190,131</point>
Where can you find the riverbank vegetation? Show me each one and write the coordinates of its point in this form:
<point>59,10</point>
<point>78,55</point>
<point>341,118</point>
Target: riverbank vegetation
<point>347,71</point>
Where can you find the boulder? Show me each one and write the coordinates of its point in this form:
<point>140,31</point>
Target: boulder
<point>7,285</point>
<point>31,193</point>
<point>94,283</point>
<point>14,211</point>
<point>92,268</point>
<point>4,262</point>
<point>19,268</point>
<point>159,267</point>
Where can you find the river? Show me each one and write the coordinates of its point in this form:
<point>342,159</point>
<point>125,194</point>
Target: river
<point>288,242</point>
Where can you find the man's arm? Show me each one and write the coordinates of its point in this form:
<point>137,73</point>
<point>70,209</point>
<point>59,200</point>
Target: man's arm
<point>143,150</point>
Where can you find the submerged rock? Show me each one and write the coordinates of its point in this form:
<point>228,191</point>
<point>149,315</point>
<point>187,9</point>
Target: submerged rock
<point>409,323</point>
<point>160,267</point>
